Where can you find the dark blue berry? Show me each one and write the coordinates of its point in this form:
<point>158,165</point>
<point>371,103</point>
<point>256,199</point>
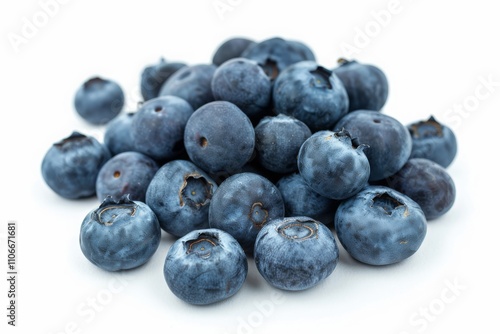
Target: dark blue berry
<point>380,226</point>
<point>158,127</point>
<point>366,85</point>
<point>205,266</point>
<point>389,142</point>
<point>120,234</point>
<point>311,94</point>
<point>333,164</point>
<point>219,138</point>
<point>126,173</point>
<point>70,167</point>
<point>295,253</point>
<point>243,82</point>
<point>99,100</point>
<point>434,141</point>
<point>180,195</point>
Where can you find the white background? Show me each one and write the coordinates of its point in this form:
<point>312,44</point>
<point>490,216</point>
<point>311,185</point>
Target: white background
<point>437,56</point>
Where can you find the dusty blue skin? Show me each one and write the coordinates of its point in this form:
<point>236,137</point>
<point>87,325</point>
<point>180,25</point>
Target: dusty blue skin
<point>251,167</point>
<point>278,140</point>
<point>366,85</point>
<point>434,141</point>
<point>219,138</point>
<point>126,173</point>
<point>428,184</point>
<point>180,195</point>
<point>118,137</point>
<point>231,48</point>
<point>205,266</point>
<point>301,200</point>
<point>389,141</point>
<point>304,50</point>
<point>158,127</point>
<point>120,235</point>
<point>275,55</point>
<point>192,83</point>
<point>243,82</point>
<point>295,253</point>
<point>70,166</point>
<point>154,76</point>
<point>242,205</point>
<point>311,94</point>
<point>99,100</point>
<point>333,164</point>
<point>380,226</point>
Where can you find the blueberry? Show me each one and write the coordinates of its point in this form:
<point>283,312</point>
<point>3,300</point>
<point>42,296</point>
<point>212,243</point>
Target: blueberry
<point>428,184</point>
<point>120,234</point>
<point>380,226</point>
<point>205,266</point>
<point>180,195</point>
<point>311,94</point>
<point>366,85</point>
<point>158,127</point>
<point>389,141</point>
<point>219,137</point>
<point>295,253</point>
<point>118,137</point>
<point>99,100</point>
<point>301,200</point>
<point>278,140</point>
<point>126,173</point>
<point>154,76</point>
<point>232,48</point>
<point>434,141</point>
<point>244,83</point>
<point>192,83</point>
<point>243,204</point>
<point>333,164</point>
<point>275,54</point>
<point>70,166</point>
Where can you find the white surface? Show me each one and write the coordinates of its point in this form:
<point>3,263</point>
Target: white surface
<point>435,54</point>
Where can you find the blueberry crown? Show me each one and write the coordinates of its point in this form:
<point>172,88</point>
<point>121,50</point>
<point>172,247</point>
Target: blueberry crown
<point>111,209</point>
<point>424,129</point>
<point>299,230</point>
<point>74,137</point>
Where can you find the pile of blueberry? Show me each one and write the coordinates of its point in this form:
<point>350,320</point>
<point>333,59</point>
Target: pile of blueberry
<point>262,153</point>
